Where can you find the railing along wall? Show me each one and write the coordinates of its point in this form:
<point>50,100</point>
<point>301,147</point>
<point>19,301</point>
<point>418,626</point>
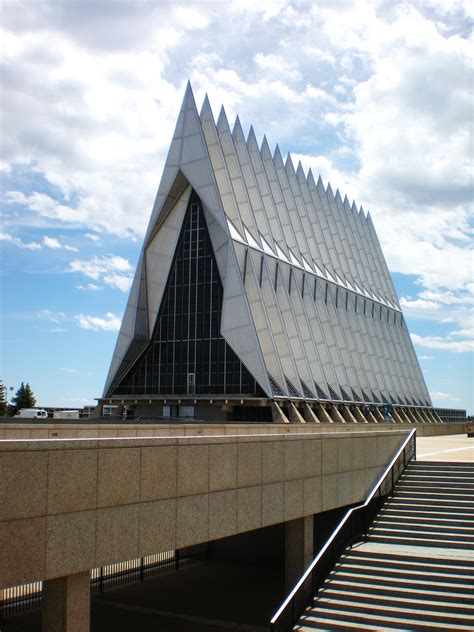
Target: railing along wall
<point>352,528</point>
<point>18,598</point>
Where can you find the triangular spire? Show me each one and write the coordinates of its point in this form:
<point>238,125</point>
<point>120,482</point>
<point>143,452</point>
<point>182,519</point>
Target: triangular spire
<point>222,122</point>
<point>338,197</point>
<point>238,132</point>
<point>329,192</point>
<point>277,157</point>
<point>252,142</point>
<point>320,185</point>
<point>206,110</point>
<point>290,169</point>
<point>300,173</point>
<point>265,149</point>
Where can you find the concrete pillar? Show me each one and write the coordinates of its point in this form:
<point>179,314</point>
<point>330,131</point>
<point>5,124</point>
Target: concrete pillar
<point>397,417</point>
<point>298,549</point>
<point>426,418</point>
<point>309,415</point>
<point>348,416</point>
<point>324,415</point>
<point>359,416</point>
<point>67,603</point>
<point>434,416</point>
<point>336,415</point>
<point>278,416</point>
<point>410,415</point>
<point>404,416</point>
<point>378,415</point>
<point>371,417</point>
<point>295,415</point>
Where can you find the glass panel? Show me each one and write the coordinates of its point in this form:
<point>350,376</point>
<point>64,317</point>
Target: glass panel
<point>187,354</point>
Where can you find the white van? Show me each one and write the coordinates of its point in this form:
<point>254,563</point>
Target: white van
<point>32,413</point>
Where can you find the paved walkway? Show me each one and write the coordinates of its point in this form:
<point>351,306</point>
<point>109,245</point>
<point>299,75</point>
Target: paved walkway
<point>459,448</point>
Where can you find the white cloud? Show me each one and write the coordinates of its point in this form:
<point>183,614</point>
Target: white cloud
<point>437,342</point>
<point>425,357</point>
<point>15,241</point>
<point>112,270</point>
<point>55,244</point>
<point>419,303</point>
<point>94,238</point>
<point>109,322</point>
<point>53,317</point>
<point>438,395</point>
<point>68,370</point>
<point>90,287</point>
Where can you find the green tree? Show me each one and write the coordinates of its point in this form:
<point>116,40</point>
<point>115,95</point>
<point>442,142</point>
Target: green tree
<point>3,399</point>
<point>24,398</point>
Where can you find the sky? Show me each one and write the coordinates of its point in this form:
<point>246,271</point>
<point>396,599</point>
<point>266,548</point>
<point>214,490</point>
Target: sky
<point>376,96</point>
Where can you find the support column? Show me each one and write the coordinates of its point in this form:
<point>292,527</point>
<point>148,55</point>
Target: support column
<point>378,415</point>
<point>324,415</point>
<point>359,416</point>
<point>295,415</point>
<point>371,417</point>
<point>348,416</point>
<point>404,416</point>
<point>424,416</point>
<point>298,549</point>
<point>336,415</point>
<point>397,417</point>
<point>278,416</point>
<point>67,603</point>
<point>410,415</point>
<point>309,414</point>
<point>436,418</point>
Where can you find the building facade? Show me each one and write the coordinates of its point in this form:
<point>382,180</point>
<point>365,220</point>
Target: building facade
<point>259,294</point>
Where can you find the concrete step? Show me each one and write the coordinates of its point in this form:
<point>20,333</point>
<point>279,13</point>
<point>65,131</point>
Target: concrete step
<point>428,518</point>
<point>413,531</point>
<point>439,480</point>
<point>416,504</point>
<point>414,554</point>
<point>436,594</point>
<point>418,525</point>
<point>318,618</point>
<point>403,582</point>
<point>466,609</point>
<point>439,490</point>
<point>431,494</point>
<point>398,611</point>
<point>420,541</point>
<point>429,568</point>
<point>437,485</point>
<point>402,573</point>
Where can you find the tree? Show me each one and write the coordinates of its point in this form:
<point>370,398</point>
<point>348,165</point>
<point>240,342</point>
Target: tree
<point>3,399</point>
<point>24,398</point>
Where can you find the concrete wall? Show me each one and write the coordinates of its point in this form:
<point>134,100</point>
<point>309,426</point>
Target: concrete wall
<point>71,505</point>
<point>37,430</point>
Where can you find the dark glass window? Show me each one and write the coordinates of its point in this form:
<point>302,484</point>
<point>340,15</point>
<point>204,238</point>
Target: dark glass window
<point>320,392</point>
<point>187,354</point>
<point>291,389</point>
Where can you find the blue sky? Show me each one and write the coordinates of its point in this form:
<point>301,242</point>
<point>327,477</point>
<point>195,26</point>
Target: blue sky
<point>377,97</point>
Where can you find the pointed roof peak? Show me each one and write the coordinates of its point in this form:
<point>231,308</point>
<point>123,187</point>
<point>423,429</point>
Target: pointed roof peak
<point>222,122</point>
<point>277,157</point>
<point>338,195</point>
<point>300,172</point>
<point>206,110</point>
<point>252,142</point>
<point>188,99</point>
<point>265,148</point>
<point>361,213</point>
<point>310,178</point>
<point>237,131</point>
<point>329,189</point>
<point>289,162</point>
<point>320,182</point>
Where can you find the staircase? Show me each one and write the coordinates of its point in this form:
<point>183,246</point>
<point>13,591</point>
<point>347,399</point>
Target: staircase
<point>416,570</point>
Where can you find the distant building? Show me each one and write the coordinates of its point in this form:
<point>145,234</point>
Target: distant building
<point>453,415</point>
<point>258,290</point>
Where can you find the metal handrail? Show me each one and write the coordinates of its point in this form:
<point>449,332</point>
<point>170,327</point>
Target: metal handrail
<point>289,601</point>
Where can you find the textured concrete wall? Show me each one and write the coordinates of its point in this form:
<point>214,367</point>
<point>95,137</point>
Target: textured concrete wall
<point>71,505</point>
<point>36,430</point>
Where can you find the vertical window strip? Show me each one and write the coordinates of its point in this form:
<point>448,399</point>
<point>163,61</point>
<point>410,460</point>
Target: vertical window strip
<point>291,278</point>
<point>261,271</point>
<point>276,276</point>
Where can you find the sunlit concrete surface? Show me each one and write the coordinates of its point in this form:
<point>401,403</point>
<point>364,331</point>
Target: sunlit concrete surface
<point>447,448</point>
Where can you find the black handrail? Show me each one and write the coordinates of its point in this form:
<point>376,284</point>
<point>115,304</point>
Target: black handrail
<point>353,527</point>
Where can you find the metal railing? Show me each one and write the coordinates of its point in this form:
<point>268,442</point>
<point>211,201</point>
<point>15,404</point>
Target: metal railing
<point>352,528</point>
<point>25,596</point>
